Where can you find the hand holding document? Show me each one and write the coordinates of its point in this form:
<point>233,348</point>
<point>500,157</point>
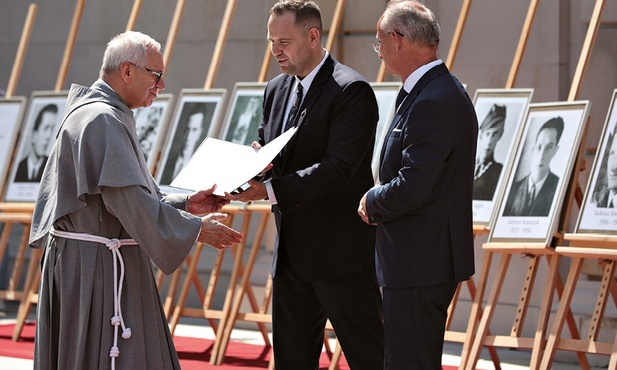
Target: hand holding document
<point>228,165</point>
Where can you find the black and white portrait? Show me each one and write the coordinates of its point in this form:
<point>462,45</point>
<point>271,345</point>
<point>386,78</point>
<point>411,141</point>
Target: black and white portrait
<point>501,113</point>
<point>542,171</point>
<point>149,124</point>
<point>45,114</point>
<point>11,112</point>
<point>196,117</point>
<point>244,114</point>
<point>599,211</point>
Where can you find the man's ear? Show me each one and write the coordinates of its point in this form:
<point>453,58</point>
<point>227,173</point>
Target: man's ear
<point>126,71</point>
<point>314,35</point>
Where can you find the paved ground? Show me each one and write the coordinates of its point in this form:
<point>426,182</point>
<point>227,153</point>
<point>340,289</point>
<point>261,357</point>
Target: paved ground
<point>510,359</point>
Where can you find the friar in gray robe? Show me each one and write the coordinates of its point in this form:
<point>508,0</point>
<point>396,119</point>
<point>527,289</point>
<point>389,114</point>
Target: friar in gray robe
<point>96,182</point>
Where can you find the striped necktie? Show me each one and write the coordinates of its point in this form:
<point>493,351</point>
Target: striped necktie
<point>291,118</point>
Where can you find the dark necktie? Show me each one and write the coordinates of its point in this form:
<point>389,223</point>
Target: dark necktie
<point>400,97</point>
<point>531,195</point>
<point>291,118</point>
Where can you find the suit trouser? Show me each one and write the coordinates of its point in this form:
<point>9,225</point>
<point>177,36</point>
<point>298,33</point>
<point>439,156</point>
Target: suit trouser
<point>300,310</point>
<point>414,326</point>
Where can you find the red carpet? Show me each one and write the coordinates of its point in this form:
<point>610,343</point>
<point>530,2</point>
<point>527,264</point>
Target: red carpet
<point>194,353</point>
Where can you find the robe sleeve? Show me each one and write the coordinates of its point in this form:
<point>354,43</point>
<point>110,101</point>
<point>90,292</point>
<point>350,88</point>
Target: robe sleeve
<point>165,233</point>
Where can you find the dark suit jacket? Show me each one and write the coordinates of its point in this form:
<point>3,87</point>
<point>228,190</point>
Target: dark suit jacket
<point>325,170</point>
<point>541,204</point>
<point>601,197</point>
<point>22,171</point>
<point>424,208</point>
<point>485,185</point>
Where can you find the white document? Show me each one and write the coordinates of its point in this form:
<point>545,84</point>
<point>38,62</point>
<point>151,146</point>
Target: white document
<point>228,165</point>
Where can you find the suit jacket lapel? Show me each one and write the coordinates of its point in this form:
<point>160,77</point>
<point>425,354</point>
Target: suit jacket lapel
<point>310,99</point>
<point>438,70</point>
<point>280,103</point>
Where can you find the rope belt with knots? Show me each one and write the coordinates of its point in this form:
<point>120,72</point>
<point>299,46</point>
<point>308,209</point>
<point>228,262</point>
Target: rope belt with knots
<point>114,246</point>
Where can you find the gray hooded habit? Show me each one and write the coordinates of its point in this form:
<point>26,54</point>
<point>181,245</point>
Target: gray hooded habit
<point>96,182</point>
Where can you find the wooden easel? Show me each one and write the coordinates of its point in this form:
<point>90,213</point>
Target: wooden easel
<point>476,293</point>
<point>534,251</point>
<point>575,193</point>
<point>458,33</point>
<point>21,213</point>
<point>582,246</point>
<point>235,296</point>
<point>207,297</point>
<point>15,291</point>
<point>18,213</point>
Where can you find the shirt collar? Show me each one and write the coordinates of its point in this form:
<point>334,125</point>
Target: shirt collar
<point>413,78</point>
<point>308,80</point>
<point>538,185</point>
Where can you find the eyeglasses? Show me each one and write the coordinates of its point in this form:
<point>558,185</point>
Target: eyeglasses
<point>158,75</point>
<point>376,44</point>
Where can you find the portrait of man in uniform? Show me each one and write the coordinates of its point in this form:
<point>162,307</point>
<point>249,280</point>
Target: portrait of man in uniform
<point>487,169</point>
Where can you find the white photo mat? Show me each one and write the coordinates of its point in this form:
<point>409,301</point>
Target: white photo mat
<point>597,215</point>
<point>26,191</point>
<point>185,135</point>
<point>516,104</point>
<point>540,228</point>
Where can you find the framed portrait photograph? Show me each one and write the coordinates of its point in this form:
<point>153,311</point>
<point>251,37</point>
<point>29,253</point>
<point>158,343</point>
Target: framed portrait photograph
<point>386,93</point>
<point>243,115</point>
<point>11,119</point>
<point>196,117</point>
<point>599,209</point>
<point>43,119</point>
<point>501,113</point>
<point>151,126</point>
<point>536,186</point>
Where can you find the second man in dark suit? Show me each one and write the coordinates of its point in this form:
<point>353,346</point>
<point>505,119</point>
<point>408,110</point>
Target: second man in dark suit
<point>324,262</point>
<point>423,204</point>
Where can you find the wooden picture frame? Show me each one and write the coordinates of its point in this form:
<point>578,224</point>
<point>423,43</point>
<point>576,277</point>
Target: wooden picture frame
<point>151,125</point>
<point>501,113</point>
<point>43,119</point>
<point>598,211</point>
<point>11,118</point>
<point>385,93</point>
<point>547,152</point>
<point>244,113</point>
<point>185,135</point>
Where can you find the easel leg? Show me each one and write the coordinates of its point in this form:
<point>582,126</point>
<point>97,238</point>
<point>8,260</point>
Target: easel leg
<point>476,309</point>
<point>560,316</point>
<point>489,309</point>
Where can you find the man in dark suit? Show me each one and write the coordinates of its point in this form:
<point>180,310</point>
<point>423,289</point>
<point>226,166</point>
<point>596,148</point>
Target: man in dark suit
<point>30,169</point>
<point>423,204</point>
<point>487,172</point>
<point>324,260</point>
<point>533,195</point>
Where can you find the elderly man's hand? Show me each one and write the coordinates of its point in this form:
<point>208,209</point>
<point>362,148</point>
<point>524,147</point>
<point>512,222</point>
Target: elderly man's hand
<point>362,210</point>
<point>203,202</point>
<point>216,234</point>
